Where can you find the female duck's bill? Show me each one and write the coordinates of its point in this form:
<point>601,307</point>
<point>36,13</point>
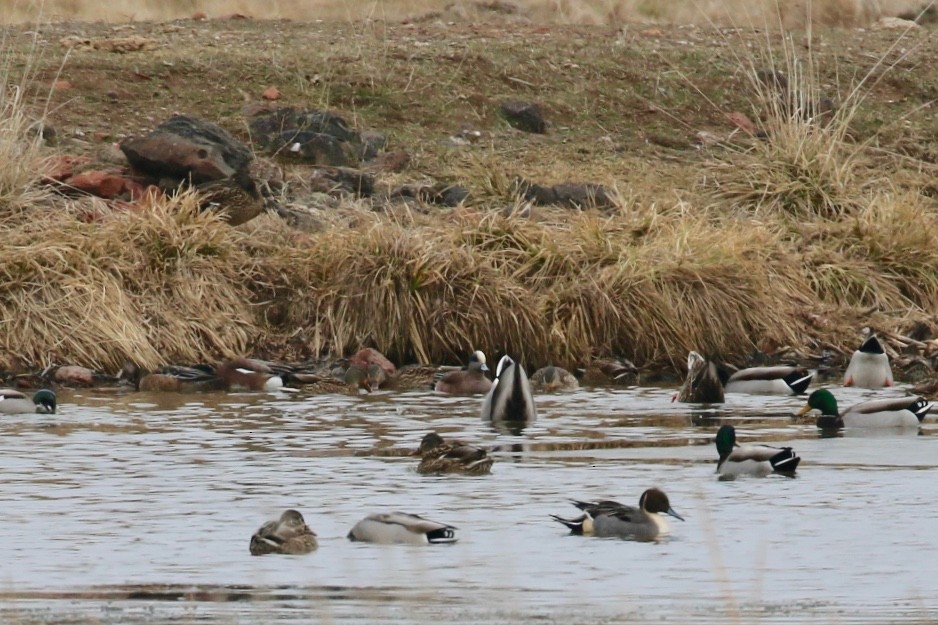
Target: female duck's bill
<point>894,412</point>
<point>869,366</point>
<point>754,460</point>
<point>289,535</point>
<point>616,520</point>
<point>703,384</point>
<point>782,380</point>
<point>16,402</point>
<point>401,528</point>
<point>510,397</point>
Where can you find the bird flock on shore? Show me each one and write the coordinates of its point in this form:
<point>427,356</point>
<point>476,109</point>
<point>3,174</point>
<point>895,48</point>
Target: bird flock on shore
<point>509,398</point>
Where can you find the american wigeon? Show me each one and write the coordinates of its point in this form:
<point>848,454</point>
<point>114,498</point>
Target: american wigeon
<point>289,535</point>
<point>869,366</point>
<point>401,527</point>
<point>468,381</point>
<point>438,455</point>
<point>510,397</point>
<point>550,379</point>
<point>756,460</point>
<point>615,520</point>
<point>172,379</point>
<point>248,374</point>
<point>13,401</point>
<point>894,412</point>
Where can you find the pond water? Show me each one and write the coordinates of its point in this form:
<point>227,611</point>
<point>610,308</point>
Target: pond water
<point>138,508</point>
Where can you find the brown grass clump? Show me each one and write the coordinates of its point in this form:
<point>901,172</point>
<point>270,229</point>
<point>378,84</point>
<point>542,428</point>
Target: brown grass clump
<point>164,283</point>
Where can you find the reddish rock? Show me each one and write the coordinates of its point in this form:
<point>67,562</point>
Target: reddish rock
<point>97,182</point>
<point>62,167</point>
<point>199,16</point>
<point>742,122</point>
<point>271,93</point>
<point>61,85</point>
<point>73,375</point>
<point>369,356</point>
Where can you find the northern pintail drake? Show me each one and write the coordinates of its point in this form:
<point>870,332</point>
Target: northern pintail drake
<point>780,380</point>
<point>289,534</point>
<point>510,397</point>
<point>703,384</point>
<point>897,412</point>
<point>13,401</point>
<point>401,528</point>
<point>468,381</point>
<point>438,455</point>
<point>869,366</point>
<point>613,519</point>
<point>755,460</point>
<point>550,379</point>
<point>172,378</point>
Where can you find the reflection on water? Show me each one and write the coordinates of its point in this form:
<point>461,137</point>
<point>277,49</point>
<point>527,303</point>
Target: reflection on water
<point>138,508</point>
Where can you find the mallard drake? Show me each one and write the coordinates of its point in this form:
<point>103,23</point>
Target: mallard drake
<point>613,519</point>
<point>13,401</point>
<point>289,534</point>
<point>897,412</point>
<point>703,384</point>
<point>549,379</point>
<point>602,371</point>
<point>441,456</point>
<point>869,366</point>
<point>468,381</point>
<point>780,380</point>
<point>172,379</point>
<point>756,460</point>
<point>401,527</point>
<point>510,398</point>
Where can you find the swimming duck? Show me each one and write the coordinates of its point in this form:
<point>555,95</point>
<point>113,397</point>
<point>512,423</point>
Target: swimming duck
<point>248,374</point>
<point>601,371</point>
<point>756,460</point>
<point>172,378</point>
<point>549,379</point>
<point>703,384</point>
<point>468,381</point>
<point>440,456</point>
<point>897,412</point>
<point>613,519</point>
<point>510,398</point>
<point>869,366</point>
<point>401,527</point>
<point>780,380</point>
<point>289,534</point>
<point>349,379</point>
<point>16,402</point>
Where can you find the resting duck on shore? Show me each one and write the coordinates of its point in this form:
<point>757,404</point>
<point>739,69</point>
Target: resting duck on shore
<point>898,412</point>
<point>869,366</point>
<point>613,519</point>
<point>755,460</point>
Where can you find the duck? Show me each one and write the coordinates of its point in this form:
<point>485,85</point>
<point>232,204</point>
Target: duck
<point>869,366</point>
<point>754,460</point>
<point>781,380</point>
<point>289,535</point>
<point>510,398</point>
<point>401,528</point>
<point>249,374</point>
<point>550,378</point>
<point>438,455</point>
<point>603,371</point>
<point>893,412</point>
<point>350,379</point>
<point>13,401</point>
<point>703,384</point>
<point>613,519</point>
<point>172,378</point>
<point>468,381</point>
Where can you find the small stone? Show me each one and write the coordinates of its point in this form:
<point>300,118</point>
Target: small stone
<point>742,122</point>
<point>271,93</point>
<point>526,116</point>
<point>97,182</point>
<point>199,16</point>
<point>61,85</point>
<point>62,167</point>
